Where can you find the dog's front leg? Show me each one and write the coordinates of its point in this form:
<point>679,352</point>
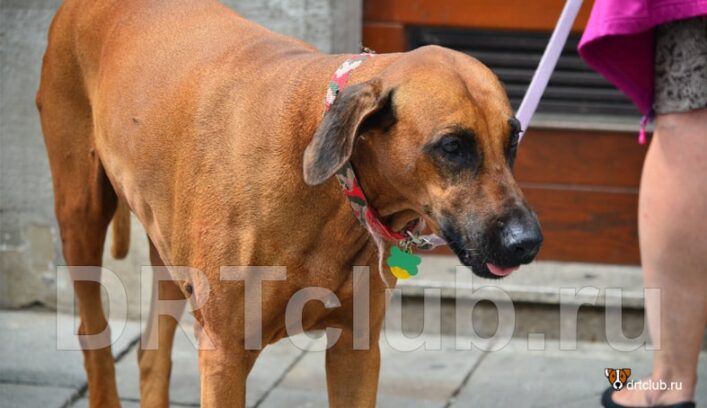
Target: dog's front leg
<point>352,375</point>
<point>224,366</point>
<point>224,371</point>
<point>224,361</point>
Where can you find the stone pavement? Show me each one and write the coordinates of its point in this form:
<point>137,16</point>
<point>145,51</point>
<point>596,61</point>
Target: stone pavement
<point>540,283</point>
<point>33,373</point>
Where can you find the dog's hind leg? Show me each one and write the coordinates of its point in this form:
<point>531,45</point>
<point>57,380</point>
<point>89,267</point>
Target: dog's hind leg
<point>154,357</point>
<point>84,198</point>
<point>84,204</point>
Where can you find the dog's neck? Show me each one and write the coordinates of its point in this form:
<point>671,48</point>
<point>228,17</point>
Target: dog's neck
<point>382,195</point>
<point>329,214</point>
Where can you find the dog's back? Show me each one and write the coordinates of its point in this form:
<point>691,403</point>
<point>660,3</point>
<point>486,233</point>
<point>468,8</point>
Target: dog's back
<point>133,83</point>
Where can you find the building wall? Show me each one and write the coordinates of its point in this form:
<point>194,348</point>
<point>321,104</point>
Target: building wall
<point>29,240</point>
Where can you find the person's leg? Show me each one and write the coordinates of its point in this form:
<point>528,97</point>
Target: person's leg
<point>673,240</point>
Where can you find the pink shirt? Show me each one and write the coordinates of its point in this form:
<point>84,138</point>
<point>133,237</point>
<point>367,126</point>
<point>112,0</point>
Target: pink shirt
<point>618,41</point>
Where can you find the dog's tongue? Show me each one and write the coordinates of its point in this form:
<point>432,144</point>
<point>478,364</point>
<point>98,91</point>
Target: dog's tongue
<point>499,271</point>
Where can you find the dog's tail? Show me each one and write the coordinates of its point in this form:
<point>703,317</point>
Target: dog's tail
<point>121,231</point>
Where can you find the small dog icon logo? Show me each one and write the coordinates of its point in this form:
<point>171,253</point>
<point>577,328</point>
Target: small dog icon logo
<point>617,377</point>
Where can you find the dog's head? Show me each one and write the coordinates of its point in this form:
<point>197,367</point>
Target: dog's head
<point>617,377</point>
<point>433,136</point>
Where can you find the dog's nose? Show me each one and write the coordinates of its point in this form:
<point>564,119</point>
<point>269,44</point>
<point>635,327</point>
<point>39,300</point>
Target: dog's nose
<point>521,239</point>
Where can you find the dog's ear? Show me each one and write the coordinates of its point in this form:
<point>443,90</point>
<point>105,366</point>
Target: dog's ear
<point>626,371</point>
<point>607,371</point>
<point>356,110</point>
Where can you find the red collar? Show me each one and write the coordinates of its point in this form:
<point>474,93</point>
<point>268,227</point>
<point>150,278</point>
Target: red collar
<point>366,214</point>
<point>350,184</point>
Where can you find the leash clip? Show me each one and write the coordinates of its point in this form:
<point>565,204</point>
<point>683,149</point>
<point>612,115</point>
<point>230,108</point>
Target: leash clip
<point>406,245</point>
<point>414,239</point>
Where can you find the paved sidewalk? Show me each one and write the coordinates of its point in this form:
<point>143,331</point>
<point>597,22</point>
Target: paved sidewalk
<point>34,374</point>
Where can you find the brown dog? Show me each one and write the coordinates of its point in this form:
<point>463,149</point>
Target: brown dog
<point>198,120</point>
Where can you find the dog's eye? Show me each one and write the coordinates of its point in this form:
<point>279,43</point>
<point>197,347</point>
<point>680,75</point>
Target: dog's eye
<point>455,152</point>
<point>451,146</point>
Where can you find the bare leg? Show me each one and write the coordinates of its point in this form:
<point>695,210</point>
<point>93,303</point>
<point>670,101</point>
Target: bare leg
<point>672,224</point>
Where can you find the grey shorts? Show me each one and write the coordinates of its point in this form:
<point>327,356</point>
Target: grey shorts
<point>681,66</point>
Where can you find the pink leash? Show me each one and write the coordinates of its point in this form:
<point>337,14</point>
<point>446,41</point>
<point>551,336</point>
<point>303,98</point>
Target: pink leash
<point>547,64</point>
